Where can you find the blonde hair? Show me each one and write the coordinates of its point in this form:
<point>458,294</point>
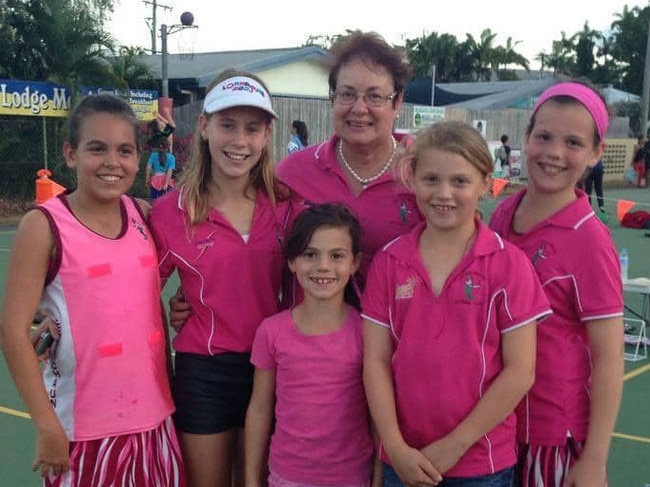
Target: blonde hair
<point>197,176</point>
<point>450,136</point>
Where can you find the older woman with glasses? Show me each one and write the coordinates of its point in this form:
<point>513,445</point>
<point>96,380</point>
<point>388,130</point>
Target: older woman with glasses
<point>355,166</point>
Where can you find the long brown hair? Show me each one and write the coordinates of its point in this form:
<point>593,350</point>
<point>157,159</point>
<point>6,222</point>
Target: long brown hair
<point>196,178</point>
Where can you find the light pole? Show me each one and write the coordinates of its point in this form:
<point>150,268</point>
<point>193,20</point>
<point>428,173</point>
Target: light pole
<point>187,21</point>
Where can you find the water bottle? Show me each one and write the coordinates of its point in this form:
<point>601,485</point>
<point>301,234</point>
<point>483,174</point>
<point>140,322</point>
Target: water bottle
<point>624,258</point>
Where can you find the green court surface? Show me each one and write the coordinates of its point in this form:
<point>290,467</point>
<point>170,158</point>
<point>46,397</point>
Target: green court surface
<point>629,464</point>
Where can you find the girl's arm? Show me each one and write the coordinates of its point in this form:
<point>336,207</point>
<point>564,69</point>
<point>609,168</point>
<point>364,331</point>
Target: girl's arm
<point>509,387</point>
<point>259,420</point>
<point>411,466</point>
<point>28,265</point>
<point>606,343</point>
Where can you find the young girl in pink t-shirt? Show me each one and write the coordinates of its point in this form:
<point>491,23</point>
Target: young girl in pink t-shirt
<point>566,422</point>
<point>308,367</point>
<point>450,314</point>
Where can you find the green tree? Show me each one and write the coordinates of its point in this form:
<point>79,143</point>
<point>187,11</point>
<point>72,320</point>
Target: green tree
<point>504,56</point>
<point>433,50</point>
<point>58,41</point>
<point>483,54</point>
<point>585,44</point>
<point>628,46</point>
<point>130,71</point>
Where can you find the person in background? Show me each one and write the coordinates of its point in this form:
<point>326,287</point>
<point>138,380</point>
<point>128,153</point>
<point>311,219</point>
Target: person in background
<point>566,421</point>
<point>299,136</point>
<point>161,127</point>
<point>503,155</point>
<point>594,180</point>
<point>222,231</point>
<point>315,417</point>
<point>449,333</point>
<point>102,408</point>
<point>638,162</point>
<point>160,169</point>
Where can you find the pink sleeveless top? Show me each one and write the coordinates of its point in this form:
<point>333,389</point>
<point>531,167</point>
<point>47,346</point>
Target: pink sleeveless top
<point>108,375</point>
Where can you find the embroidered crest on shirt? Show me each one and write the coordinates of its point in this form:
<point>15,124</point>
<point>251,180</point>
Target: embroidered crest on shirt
<point>469,288</point>
<point>404,212</point>
<point>405,291</point>
<point>205,244</point>
<point>140,228</point>
<point>540,254</point>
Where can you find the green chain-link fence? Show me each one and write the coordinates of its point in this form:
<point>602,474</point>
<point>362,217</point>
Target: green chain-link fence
<point>28,144</point>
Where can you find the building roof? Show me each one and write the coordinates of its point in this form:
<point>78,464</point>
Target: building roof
<point>202,67</point>
<point>491,95</point>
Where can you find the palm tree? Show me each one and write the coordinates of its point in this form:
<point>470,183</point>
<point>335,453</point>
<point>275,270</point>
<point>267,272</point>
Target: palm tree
<point>59,41</point>
<point>483,54</point>
<point>130,71</point>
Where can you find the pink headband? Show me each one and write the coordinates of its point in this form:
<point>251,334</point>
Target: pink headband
<point>588,97</point>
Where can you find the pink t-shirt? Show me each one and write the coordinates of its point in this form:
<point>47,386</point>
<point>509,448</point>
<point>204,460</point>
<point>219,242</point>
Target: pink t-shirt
<point>322,431</point>
<point>577,264</point>
<point>230,284</point>
<point>385,208</point>
<point>447,348</point>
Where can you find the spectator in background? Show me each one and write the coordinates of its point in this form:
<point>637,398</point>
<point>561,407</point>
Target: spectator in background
<point>299,136</point>
<point>503,156</point>
<point>638,161</point>
<point>594,180</point>
<point>161,127</point>
<point>160,168</point>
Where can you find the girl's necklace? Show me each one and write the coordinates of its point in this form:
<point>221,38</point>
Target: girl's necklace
<point>366,181</point>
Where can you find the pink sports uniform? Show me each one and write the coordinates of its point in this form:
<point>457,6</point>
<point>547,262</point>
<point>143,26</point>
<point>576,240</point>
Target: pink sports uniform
<point>577,264</point>
<point>322,434</point>
<point>385,208</point>
<point>107,378</point>
<point>447,348</point>
<point>230,284</point>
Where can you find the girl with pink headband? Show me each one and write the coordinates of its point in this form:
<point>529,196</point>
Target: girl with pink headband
<point>565,422</point>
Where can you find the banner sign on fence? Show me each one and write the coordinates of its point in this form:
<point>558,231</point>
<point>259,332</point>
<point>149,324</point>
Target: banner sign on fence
<point>36,99</point>
<point>33,99</point>
<point>143,102</point>
<point>424,116</point>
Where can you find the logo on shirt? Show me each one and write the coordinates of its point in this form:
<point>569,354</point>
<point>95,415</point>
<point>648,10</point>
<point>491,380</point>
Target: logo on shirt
<point>140,228</point>
<point>469,288</point>
<point>406,290</point>
<point>540,254</point>
<point>404,212</point>
<point>205,244</point>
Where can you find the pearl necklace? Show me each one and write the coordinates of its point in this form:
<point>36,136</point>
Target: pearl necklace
<point>366,181</point>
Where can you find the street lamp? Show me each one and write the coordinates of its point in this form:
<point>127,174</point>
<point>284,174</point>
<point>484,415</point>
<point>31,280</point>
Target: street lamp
<point>187,21</point>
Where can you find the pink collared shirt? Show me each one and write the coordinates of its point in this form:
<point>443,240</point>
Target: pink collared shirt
<point>576,262</point>
<point>447,348</point>
<point>385,208</point>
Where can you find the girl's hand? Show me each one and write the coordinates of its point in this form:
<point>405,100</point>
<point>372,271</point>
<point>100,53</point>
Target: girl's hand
<point>414,469</point>
<point>52,452</point>
<point>586,473</point>
<point>179,310</point>
<point>444,453</point>
<point>48,324</point>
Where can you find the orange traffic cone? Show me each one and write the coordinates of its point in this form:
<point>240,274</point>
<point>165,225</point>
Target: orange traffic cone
<point>45,187</point>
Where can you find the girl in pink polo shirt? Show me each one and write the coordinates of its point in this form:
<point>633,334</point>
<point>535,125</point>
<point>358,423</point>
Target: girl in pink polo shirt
<point>222,232</point>
<point>449,332</point>
<point>308,364</point>
<point>566,421</point>
<point>102,408</point>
